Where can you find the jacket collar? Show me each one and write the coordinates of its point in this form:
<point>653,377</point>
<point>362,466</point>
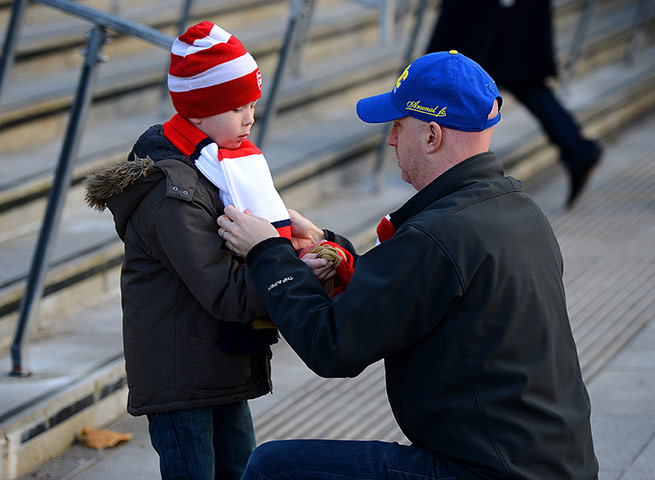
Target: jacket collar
<point>473,169</point>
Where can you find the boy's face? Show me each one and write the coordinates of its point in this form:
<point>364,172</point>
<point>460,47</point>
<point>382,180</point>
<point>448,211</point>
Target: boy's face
<point>228,129</point>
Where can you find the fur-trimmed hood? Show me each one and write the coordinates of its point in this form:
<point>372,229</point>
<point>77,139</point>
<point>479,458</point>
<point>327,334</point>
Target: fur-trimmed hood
<point>112,181</point>
<point>122,187</point>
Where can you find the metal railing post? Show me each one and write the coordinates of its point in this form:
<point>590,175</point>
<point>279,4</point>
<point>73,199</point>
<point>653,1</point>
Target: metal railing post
<point>637,28</point>
<point>299,11</point>
<point>9,47</point>
<point>184,16</point>
<point>387,20</point>
<point>56,197</point>
<point>181,27</point>
<point>300,38</point>
<point>387,11</point>
<point>578,38</point>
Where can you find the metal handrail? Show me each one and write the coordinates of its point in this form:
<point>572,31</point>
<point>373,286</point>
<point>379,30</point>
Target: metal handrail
<point>111,22</point>
<point>61,182</point>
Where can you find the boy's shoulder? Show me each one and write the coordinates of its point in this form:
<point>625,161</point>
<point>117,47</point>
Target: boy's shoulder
<point>153,144</point>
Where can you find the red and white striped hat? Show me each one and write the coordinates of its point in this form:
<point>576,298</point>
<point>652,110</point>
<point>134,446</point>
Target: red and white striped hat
<point>211,72</point>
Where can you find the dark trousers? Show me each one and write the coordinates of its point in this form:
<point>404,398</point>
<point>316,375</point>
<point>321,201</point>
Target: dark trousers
<point>343,460</point>
<point>576,152</point>
<point>203,443</point>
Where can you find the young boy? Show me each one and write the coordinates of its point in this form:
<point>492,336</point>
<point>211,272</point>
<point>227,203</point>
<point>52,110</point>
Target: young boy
<point>193,352</point>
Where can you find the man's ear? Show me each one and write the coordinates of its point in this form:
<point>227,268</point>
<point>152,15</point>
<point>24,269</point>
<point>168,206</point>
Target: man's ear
<point>435,136</point>
<point>195,121</point>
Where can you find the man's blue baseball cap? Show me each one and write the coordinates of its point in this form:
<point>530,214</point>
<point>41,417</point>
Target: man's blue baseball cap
<point>443,87</point>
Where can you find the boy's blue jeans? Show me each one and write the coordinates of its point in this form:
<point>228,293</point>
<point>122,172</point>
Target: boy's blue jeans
<point>203,443</point>
<point>343,459</point>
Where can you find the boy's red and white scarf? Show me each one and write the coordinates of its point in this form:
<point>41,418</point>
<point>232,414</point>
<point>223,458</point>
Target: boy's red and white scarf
<point>242,175</point>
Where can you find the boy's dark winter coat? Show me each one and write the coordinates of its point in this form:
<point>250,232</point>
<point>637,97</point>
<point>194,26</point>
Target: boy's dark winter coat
<point>181,287</point>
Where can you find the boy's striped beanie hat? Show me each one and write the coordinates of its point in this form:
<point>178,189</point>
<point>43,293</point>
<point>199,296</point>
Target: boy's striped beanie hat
<point>211,72</point>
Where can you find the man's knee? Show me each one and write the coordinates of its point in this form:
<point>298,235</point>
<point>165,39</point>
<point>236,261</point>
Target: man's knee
<point>266,458</point>
<point>264,453</point>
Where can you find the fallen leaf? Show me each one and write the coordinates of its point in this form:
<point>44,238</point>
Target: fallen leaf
<point>100,439</point>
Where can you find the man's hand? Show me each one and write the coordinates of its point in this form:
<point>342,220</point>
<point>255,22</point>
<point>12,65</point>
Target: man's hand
<point>303,232</point>
<point>243,230</point>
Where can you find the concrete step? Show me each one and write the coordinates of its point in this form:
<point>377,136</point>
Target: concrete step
<point>78,380</point>
<point>611,227</point>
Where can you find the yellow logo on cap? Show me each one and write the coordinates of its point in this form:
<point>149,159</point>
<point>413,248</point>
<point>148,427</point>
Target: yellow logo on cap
<point>415,106</point>
<point>403,76</point>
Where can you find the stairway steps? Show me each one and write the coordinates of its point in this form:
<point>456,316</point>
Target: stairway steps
<point>298,178</point>
<point>104,247</point>
<point>321,157</point>
<point>136,66</point>
<point>297,96</point>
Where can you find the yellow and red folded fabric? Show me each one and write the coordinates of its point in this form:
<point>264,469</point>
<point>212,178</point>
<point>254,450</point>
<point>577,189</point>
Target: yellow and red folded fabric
<point>342,260</point>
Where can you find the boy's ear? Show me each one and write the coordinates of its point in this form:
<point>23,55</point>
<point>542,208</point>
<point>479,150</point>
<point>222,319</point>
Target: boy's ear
<point>195,121</point>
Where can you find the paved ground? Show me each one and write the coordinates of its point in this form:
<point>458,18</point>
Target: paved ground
<point>608,242</point>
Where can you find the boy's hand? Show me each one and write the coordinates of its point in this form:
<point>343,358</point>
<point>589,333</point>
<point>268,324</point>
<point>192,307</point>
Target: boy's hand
<point>321,268</point>
<point>243,230</point>
<point>303,232</point>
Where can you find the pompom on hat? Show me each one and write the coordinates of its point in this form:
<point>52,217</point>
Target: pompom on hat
<point>211,72</point>
<point>443,87</point>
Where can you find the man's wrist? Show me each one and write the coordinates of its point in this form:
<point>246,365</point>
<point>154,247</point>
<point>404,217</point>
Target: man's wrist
<point>329,235</point>
<point>264,245</point>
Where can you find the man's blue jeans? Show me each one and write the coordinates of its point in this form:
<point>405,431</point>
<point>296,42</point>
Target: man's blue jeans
<point>343,459</point>
<point>203,443</point>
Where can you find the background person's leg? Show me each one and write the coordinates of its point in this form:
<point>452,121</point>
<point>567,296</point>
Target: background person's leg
<point>342,459</point>
<point>234,439</point>
<point>557,122</point>
<point>577,153</point>
<point>183,441</point>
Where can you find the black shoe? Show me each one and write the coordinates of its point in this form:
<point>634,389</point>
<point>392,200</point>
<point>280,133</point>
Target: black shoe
<point>580,175</point>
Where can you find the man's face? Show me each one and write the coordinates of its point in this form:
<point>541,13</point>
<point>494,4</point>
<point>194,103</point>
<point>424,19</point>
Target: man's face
<point>229,129</point>
<point>406,136</point>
